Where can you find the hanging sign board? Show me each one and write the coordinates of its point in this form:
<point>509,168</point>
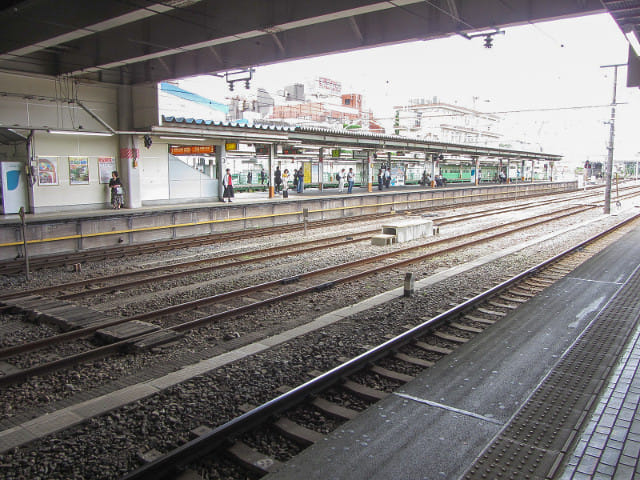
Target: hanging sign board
<point>191,149</point>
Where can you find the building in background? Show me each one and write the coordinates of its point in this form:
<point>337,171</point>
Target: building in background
<point>444,122</point>
<point>321,103</point>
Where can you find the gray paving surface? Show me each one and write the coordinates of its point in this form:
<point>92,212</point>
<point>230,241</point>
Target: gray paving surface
<point>609,447</point>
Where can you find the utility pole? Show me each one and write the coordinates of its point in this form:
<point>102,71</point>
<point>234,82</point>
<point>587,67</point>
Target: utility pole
<point>609,169</point>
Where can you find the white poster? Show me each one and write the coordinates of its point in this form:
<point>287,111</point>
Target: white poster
<point>106,165</point>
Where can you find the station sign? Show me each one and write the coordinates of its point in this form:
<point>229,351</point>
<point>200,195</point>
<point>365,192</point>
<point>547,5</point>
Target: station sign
<point>230,146</point>
<point>335,153</point>
<point>291,151</point>
<point>192,149</point>
<point>262,149</point>
<point>360,154</point>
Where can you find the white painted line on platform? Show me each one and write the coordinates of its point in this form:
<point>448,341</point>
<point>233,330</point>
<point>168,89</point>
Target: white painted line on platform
<point>449,408</point>
<point>594,281</point>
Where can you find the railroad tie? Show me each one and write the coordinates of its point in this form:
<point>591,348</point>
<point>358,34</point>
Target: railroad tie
<point>433,348</point>
<point>502,305</point>
<point>297,433</point>
<point>465,328</point>
<point>363,391</point>
<point>451,338</point>
<point>334,409</point>
<point>486,321</point>
<point>509,298</point>
<point>414,360</point>
<point>491,312</point>
<point>391,375</point>
<point>252,459</point>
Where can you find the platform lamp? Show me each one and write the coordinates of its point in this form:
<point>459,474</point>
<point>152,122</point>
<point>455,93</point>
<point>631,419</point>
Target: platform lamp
<point>634,41</point>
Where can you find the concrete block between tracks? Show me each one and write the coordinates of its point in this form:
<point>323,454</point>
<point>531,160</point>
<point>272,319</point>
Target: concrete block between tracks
<point>108,402</point>
<point>15,436</point>
<point>47,424</point>
<point>383,239</point>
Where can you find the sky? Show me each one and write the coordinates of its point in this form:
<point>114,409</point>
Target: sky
<point>544,80</point>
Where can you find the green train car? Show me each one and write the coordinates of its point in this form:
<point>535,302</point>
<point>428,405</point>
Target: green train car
<point>462,173</point>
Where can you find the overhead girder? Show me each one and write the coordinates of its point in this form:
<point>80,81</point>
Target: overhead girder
<point>115,42</point>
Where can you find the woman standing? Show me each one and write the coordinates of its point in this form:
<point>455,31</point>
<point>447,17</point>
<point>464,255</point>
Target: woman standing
<point>227,183</point>
<point>285,183</point>
<point>117,194</point>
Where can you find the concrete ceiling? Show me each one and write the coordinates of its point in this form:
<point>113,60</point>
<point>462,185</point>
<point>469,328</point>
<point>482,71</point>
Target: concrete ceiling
<point>626,13</point>
<point>140,41</point>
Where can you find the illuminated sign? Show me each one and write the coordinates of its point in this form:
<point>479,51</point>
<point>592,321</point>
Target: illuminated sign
<point>230,146</point>
<point>262,149</point>
<point>291,151</point>
<point>335,153</point>
<point>192,149</point>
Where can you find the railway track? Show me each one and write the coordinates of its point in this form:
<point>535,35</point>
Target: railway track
<point>285,421</point>
<point>274,291</point>
<point>129,278</point>
<point>48,261</point>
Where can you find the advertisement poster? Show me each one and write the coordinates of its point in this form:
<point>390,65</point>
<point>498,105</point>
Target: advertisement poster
<point>78,170</point>
<point>106,165</point>
<point>47,171</point>
<point>397,176</point>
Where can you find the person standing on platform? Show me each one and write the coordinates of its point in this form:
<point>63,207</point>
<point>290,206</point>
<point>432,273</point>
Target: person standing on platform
<point>339,180</point>
<point>342,181</point>
<point>262,176</point>
<point>387,177</point>
<point>249,177</point>
<point>117,193</point>
<point>227,183</point>
<point>277,178</point>
<point>300,176</point>
<point>380,178</point>
<point>285,183</point>
<point>350,180</point>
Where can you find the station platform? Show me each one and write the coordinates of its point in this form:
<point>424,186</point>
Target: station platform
<point>258,195</point>
<point>66,231</point>
<point>551,391</point>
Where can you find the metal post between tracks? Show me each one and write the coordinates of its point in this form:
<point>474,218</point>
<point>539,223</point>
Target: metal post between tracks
<point>305,219</point>
<point>612,121</point>
<point>23,226</point>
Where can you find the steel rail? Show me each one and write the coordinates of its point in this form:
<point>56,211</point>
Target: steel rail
<point>135,249</point>
<point>172,463</point>
<point>82,283</point>
<point>57,364</point>
<point>48,341</point>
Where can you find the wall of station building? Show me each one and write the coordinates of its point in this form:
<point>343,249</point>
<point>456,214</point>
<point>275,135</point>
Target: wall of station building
<point>63,170</point>
<point>71,172</point>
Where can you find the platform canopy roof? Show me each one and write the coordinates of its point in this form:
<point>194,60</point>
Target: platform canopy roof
<point>320,137</point>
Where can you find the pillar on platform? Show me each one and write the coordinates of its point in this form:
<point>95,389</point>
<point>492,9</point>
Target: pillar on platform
<point>221,167</point>
<point>129,151</point>
<point>272,151</point>
<point>320,168</point>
